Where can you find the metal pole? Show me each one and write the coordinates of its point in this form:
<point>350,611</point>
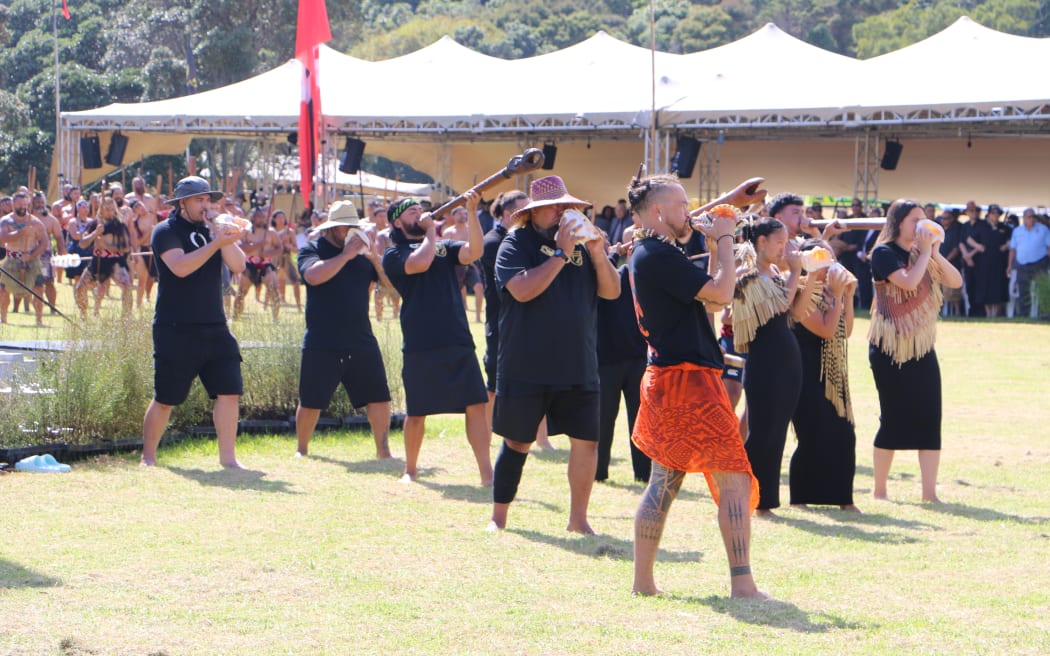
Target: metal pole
<point>654,164</point>
<point>58,88</point>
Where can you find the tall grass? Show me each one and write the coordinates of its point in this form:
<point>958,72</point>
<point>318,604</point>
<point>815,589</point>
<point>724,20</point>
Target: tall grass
<point>98,387</point>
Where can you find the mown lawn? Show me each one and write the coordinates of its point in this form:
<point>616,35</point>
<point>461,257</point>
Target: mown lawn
<point>332,555</point>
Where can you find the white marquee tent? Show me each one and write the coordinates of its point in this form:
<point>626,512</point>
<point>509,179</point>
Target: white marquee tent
<point>971,115</point>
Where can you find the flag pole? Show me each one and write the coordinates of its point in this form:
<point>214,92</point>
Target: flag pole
<point>58,90</point>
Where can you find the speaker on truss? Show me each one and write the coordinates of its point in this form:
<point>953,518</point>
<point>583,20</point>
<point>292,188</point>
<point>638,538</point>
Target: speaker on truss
<point>353,151</point>
<point>891,155</point>
<point>550,151</point>
<point>686,151</point>
<point>118,143</point>
<point>90,153</point>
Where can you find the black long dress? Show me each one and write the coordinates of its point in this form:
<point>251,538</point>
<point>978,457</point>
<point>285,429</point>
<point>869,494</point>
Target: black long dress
<point>772,380</point>
<point>909,389</point>
<point>991,286</point>
<point>825,459</point>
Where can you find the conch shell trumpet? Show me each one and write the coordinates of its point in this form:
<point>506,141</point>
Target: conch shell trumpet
<point>581,227</point>
<point>724,211</point>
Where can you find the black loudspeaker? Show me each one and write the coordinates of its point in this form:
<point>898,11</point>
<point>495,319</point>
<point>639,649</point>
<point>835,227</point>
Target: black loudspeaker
<point>293,138</point>
<point>118,143</point>
<point>550,152</point>
<point>350,161</point>
<point>90,153</point>
<point>686,151</point>
<point>891,155</point>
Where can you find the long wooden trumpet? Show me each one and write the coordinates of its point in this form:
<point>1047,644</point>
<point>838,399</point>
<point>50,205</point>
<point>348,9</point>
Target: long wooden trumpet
<point>875,223</point>
<point>530,160</point>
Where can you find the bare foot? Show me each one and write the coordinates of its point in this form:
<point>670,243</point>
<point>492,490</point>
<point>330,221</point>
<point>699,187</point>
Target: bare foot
<point>486,482</point>
<point>232,465</point>
<point>765,512</point>
<point>851,508</point>
<point>148,462</point>
<point>881,496</point>
<point>580,527</point>
<point>384,455</point>
<point>931,500</point>
<point>750,592</point>
<point>800,506</point>
<point>646,591</point>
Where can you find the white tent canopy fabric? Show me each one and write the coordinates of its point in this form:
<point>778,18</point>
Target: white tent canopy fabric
<point>768,86</point>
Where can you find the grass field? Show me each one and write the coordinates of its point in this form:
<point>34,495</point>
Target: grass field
<point>332,555</point>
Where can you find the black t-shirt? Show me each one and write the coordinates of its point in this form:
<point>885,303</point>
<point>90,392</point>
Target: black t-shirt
<point>197,298</point>
<point>551,340</point>
<point>887,258</point>
<point>337,310</point>
<point>674,323</point>
<point>432,314</point>
<point>493,238</point>
<point>618,336</point>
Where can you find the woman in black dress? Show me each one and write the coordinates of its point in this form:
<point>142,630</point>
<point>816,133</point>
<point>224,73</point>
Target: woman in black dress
<point>908,271</point>
<point>825,459</point>
<point>989,242</point>
<point>765,298</point>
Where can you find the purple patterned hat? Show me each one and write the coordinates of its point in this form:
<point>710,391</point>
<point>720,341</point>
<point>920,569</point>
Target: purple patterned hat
<point>549,191</point>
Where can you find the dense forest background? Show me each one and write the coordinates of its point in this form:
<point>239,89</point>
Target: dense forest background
<point>139,50</point>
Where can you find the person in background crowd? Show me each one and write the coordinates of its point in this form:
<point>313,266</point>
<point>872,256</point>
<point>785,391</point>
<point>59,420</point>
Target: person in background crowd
<point>1029,256</point>
<point>950,250</point>
<point>287,273</point>
<point>110,242</point>
<point>989,241</point>
<point>468,275</point>
<point>25,239</point>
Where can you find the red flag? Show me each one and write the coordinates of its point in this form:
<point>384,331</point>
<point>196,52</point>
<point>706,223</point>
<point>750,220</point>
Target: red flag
<point>65,10</point>
<point>311,30</point>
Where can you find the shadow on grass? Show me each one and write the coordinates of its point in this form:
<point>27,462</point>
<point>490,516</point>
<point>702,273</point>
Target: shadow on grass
<point>844,531</point>
<point>370,466</point>
<point>550,455</point>
<point>459,492</point>
<point>867,518</point>
<point>773,613</point>
<point>979,514</point>
<point>604,546</point>
<point>234,479</point>
<point>13,576</point>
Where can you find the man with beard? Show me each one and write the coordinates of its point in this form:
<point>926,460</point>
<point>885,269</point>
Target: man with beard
<point>685,422</point>
<point>440,371</point>
<point>53,230</point>
<point>260,245</point>
<point>25,239</point>
<point>548,358</point>
<point>338,267</point>
<point>190,337</point>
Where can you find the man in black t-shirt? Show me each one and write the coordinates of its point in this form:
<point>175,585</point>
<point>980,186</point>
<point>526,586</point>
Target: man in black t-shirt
<point>190,337</point>
<point>440,370</point>
<point>339,266</point>
<point>685,422</point>
<point>502,208</point>
<point>548,363</point>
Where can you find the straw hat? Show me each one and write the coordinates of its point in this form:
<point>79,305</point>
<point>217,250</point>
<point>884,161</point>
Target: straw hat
<point>341,213</point>
<point>549,191</point>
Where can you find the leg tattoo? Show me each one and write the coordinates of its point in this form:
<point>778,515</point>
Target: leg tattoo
<point>652,511</point>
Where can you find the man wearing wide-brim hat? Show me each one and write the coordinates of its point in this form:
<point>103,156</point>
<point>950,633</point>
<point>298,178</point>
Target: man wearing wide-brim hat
<point>551,271</point>
<point>440,371</point>
<point>190,337</point>
<point>338,266</point>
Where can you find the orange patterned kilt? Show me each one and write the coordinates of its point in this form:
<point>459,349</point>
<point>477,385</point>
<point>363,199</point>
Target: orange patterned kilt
<point>685,423</point>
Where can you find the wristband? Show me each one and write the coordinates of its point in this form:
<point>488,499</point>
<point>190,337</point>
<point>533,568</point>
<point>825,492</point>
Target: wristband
<point>719,238</point>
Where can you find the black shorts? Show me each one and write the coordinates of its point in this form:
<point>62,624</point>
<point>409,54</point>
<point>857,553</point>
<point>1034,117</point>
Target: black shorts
<point>572,411</point>
<point>182,352</point>
<point>471,277</point>
<point>442,380</point>
<point>257,272</point>
<point>728,372</point>
<point>361,373</point>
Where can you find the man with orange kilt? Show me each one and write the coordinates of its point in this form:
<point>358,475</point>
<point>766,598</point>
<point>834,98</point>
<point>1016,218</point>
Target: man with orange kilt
<point>685,422</point>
